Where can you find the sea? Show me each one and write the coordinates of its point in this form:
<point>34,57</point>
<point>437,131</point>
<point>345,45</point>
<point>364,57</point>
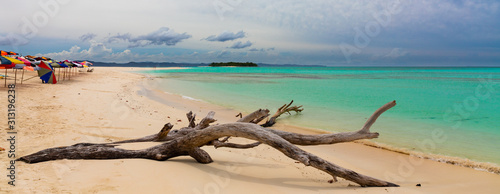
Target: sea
<point>449,114</point>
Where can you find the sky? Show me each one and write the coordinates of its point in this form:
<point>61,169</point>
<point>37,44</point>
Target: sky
<point>313,32</point>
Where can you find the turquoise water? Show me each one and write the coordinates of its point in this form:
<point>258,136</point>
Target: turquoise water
<point>445,111</point>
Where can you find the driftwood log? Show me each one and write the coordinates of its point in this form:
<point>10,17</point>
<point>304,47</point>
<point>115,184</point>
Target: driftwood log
<point>188,141</point>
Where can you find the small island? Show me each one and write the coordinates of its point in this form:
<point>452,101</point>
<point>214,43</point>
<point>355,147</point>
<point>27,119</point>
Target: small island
<point>233,64</point>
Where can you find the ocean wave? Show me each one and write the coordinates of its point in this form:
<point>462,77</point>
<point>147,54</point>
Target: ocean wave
<point>481,166</point>
<point>191,98</point>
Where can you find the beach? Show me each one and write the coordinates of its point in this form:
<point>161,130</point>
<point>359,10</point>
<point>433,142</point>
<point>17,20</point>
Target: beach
<point>112,104</point>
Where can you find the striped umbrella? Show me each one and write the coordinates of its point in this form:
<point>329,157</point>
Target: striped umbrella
<point>26,62</point>
<point>9,63</point>
<point>46,73</point>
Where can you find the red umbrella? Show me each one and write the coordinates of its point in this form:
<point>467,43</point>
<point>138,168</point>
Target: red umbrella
<point>46,73</point>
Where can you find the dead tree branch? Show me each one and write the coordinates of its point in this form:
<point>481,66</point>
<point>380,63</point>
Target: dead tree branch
<point>283,109</point>
<point>189,140</point>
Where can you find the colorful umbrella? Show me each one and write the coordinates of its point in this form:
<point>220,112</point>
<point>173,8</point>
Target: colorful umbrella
<point>26,62</point>
<point>46,73</point>
<point>3,53</point>
<point>26,67</point>
<point>54,64</point>
<point>70,65</point>
<point>86,64</point>
<point>63,65</point>
<point>29,68</point>
<point>8,63</point>
<point>58,66</point>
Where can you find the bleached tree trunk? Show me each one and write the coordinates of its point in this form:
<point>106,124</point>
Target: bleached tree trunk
<point>189,140</point>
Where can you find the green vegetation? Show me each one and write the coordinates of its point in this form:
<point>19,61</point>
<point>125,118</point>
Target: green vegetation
<point>235,64</point>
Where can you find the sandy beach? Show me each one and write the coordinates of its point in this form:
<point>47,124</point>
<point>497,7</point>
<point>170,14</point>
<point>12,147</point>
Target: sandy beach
<point>112,104</point>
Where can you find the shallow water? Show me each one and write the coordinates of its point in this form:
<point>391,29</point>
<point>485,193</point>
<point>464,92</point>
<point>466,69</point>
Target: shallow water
<point>445,111</point>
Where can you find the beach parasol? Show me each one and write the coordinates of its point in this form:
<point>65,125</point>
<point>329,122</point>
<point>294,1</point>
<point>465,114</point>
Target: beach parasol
<point>6,63</point>
<point>70,65</point>
<point>26,62</point>
<point>57,65</point>
<point>63,65</point>
<point>46,73</point>
<point>9,63</point>
<point>86,64</point>
<point>27,67</point>
<point>3,53</point>
<point>5,66</point>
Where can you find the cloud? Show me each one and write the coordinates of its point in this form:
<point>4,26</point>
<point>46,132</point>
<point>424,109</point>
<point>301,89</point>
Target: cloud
<point>87,37</point>
<point>223,54</point>
<point>162,36</point>
<point>240,45</point>
<point>396,52</point>
<point>118,37</point>
<point>226,36</point>
<point>12,39</point>
<point>96,50</point>
<point>254,49</point>
<point>261,50</point>
<point>296,28</point>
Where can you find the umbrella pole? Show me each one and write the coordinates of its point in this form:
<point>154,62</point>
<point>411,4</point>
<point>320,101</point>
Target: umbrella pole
<point>59,74</point>
<point>22,77</point>
<point>15,78</point>
<point>5,77</point>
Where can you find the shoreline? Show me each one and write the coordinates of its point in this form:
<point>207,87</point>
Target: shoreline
<point>476,165</point>
<point>110,105</point>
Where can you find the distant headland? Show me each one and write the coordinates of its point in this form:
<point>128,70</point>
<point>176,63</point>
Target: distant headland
<point>233,64</point>
<point>174,64</point>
